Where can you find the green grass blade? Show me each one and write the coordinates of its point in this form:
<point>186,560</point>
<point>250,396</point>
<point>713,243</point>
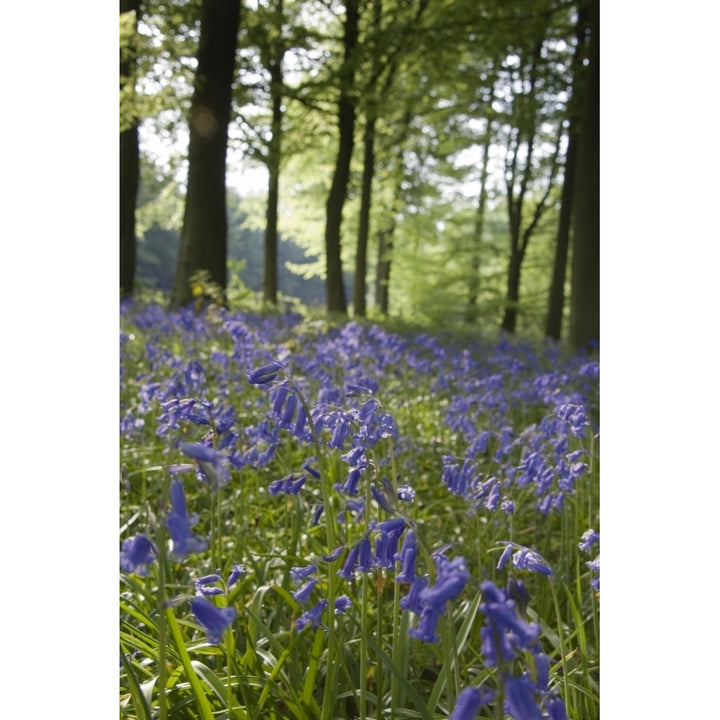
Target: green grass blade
<point>401,678</point>
<point>198,691</point>
<point>138,697</point>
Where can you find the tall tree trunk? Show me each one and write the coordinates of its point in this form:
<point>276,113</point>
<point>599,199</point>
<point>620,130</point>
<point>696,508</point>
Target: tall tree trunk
<point>525,134</point>
<point>274,155</point>
<point>585,282</point>
<point>556,299</point>
<point>553,322</point>
<point>129,161</point>
<point>203,242</point>
<point>384,264</point>
<point>360,287</point>
<point>336,301</point>
<point>471,310</point>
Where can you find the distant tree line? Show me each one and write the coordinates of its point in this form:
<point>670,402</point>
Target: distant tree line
<point>373,118</point>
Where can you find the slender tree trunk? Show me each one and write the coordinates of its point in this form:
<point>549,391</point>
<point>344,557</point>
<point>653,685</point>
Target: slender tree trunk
<point>553,323</point>
<point>384,264</point>
<point>203,242</point>
<point>556,299</point>
<point>585,282</point>
<point>360,287</point>
<point>471,310</point>
<point>274,155</point>
<point>129,161</point>
<point>336,301</point>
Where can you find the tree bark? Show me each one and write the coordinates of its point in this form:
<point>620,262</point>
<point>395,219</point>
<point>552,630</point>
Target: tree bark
<point>556,302</point>
<point>129,161</point>
<point>360,287</point>
<point>274,154</point>
<point>203,241</point>
<point>556,298</point>
<point>585,283</point>
<point>336,301</point>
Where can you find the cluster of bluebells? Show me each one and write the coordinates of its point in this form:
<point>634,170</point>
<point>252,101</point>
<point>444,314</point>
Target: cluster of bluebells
<point>494,458</point>
<point>214,620</point>
<point>430,601</point>
<point>506,636</point>
<point>139,552</point>
<point>304,581</point>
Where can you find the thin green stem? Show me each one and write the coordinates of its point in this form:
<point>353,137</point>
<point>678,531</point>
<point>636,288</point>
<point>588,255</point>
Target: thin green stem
<point>561,636</point>
<point>329,693</point>
<point>161,597</point>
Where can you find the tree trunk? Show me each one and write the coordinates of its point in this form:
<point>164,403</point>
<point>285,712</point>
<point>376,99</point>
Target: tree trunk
<point>336,302</point>
<point>360,287</point>
<point>553,323</point>
<point>512,294</point>
<point>384,263</point>
<point>274,154</point>
<point>556,299</point>
<point>471,310</point>
<point>585,283</point>
<point>129,161</point>
<point>203,242</point>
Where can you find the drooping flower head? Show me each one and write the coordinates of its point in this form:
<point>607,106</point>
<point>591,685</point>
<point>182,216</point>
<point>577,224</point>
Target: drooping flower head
<point>137,554</point>
<point>214,620</point>
<point>185,542</point>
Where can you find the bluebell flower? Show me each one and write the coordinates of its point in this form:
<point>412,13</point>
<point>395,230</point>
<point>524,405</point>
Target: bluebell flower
<point>407,558</point>
<point>202,583</point>
<point>350,487</point>
<point>365,563</point>
<point>213,620</point>
<point>235,574</point>
<point>468,704</point>
<point>386,544</point>
<point>504,632</point>
<point>339,434</point>
<point>265,374</point>
<point>317,514</point>
<point>300,574</point>
<point>289,484</point>
<point>334,555</point>
<point>527,559</point>
<point>179,524</point>
<point>311,470</point>
<point>520,699</point>
<point>588,539</point>
<point>451,580</point>
<point>524,558</point>
<point>556,709</point>
<point>427,626</point>
<point>342,604</point>
<point>346,571</point>
<point>356,390</point>
<point>213,463</point>
<point>595,568</point>
<point>137,553</point>
<point>406,493</point>
<point>412,600</point>
<point>303,594</point>
<point>312,616</point>
<point>506,554</point>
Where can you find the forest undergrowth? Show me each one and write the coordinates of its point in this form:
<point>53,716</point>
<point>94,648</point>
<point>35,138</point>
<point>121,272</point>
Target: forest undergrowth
<point>327,520</point>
